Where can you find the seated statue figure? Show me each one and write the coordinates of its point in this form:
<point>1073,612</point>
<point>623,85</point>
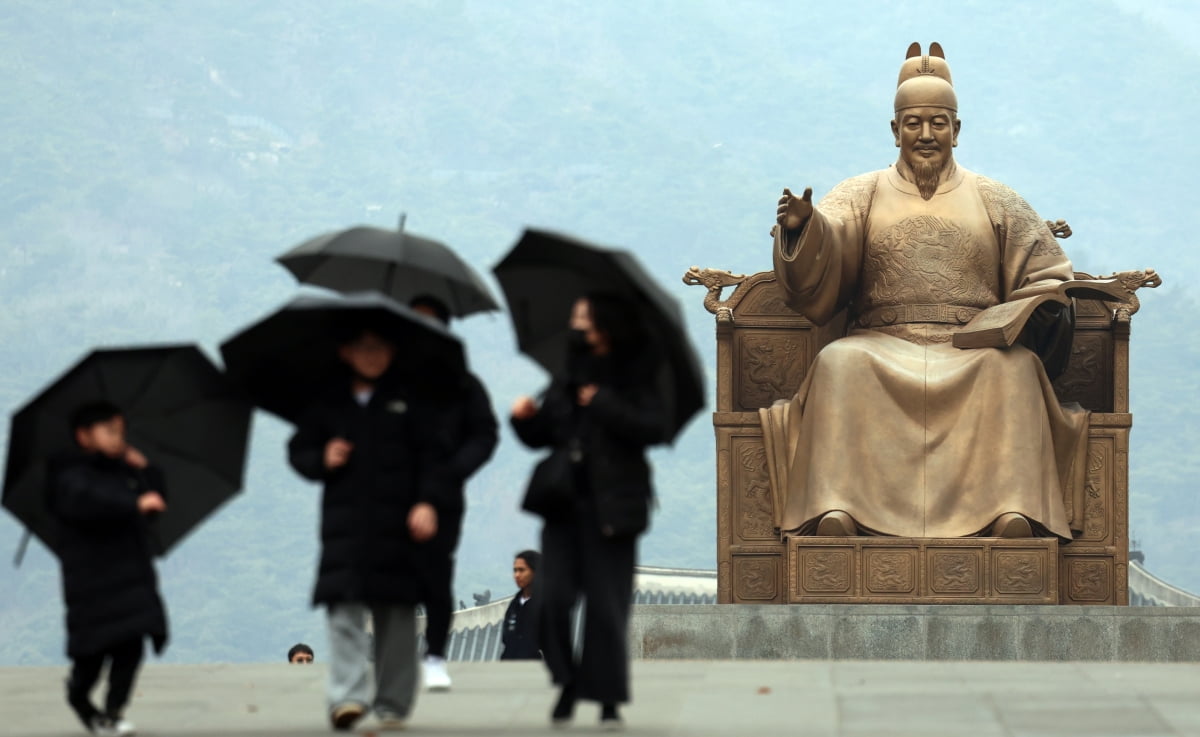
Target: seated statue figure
<point>895,431</point>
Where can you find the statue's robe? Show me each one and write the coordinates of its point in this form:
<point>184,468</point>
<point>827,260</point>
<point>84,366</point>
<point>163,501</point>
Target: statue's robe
<point>893,424</point>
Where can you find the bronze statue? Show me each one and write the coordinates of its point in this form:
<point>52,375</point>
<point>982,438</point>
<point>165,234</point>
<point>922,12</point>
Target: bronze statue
<point>894,430</point>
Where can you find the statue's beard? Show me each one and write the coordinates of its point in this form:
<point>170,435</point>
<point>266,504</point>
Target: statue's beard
<point>927,175</point>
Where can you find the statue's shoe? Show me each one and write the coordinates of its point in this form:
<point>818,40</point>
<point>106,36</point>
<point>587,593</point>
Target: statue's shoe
<point>837,524</point>
<point>1011,524</point>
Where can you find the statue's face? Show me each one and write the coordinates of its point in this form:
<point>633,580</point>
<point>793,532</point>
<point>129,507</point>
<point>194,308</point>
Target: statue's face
<point>926,136</point>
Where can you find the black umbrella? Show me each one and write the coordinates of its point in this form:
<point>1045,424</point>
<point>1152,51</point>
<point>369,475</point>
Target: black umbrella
<point>180,411</point>
<point>545,273</point>
<point>392,262</point>
<point>288,357</point>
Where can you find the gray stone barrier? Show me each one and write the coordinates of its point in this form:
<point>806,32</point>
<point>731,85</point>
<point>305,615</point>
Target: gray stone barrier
<point>916,632</point>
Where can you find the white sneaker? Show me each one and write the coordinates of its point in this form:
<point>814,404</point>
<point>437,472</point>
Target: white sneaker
<point>433,672</point>
<point>123,727</point>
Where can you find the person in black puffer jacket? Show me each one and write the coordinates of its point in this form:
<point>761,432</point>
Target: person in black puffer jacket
<point>600,418</point>
<point>101,495</point>
<point>365,438</point>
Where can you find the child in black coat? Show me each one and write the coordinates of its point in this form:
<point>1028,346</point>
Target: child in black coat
<point>101,494</point>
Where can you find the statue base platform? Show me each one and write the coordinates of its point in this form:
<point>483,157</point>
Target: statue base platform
<point>890,570</point>
<point>916,632</point>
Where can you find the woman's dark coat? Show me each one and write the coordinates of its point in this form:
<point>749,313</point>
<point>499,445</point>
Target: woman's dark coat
<point>109,583</point>
<point>612,433</point>
<point>367,552</point>
<point>520,633</point>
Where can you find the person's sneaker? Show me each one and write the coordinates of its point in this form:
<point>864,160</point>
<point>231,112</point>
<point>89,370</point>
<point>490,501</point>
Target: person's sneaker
<point>123,727</point>
<point>433,672</point>
<point>610,720</point>
<point>102,726</point>
<point>344,716</point>
<point>391,722</point>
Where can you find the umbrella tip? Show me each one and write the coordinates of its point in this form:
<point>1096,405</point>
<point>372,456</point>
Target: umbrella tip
<point>403,216</point>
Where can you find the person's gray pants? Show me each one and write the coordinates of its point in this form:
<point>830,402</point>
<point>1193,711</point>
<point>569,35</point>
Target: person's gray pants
<point>395,656</point>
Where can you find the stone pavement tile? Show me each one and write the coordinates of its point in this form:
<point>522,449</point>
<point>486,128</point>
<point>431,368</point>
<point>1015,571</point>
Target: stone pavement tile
<point>1026,678</point>
<point>1181,711</point>
<point>915,713</point>
<point>1081,715</point>
<point>1158,677</point>
<point>695,698</point>
<point>897,676</point>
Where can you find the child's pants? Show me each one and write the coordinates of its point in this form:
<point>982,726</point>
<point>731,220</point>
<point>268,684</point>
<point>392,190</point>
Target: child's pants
<point>124,660</point>
<point>395,656</point>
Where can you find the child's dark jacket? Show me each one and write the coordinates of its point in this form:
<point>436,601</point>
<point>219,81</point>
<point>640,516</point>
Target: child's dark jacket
<point>109,583</point>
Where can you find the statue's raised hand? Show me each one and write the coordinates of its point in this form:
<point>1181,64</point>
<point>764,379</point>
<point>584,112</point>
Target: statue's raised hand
<point>794,211</point>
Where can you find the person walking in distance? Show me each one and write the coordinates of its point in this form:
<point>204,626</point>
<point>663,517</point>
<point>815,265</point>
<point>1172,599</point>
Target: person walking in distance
<point>520,634</point>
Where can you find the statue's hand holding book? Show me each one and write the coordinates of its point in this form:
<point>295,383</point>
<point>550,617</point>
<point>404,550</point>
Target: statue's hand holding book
<point>1001,325</point>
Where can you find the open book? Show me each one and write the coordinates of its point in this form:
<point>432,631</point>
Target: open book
<point>1000,326</point>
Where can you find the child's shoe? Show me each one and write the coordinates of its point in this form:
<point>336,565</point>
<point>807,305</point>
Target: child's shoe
<point>82,706</point>
<point>123,727</point>
<point>102,726</point>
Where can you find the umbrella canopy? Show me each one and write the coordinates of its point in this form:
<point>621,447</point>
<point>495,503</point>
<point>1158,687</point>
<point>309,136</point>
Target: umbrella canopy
<point>392,262</point>
<point>545,273</point>
<point>290,356</point>
<point>180,411</point>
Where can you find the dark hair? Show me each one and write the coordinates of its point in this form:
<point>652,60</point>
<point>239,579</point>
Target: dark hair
<point>299,647</point>
<point>618,318</point>
<point>86,415</point>
<point>532,558</point>
<point>440,310</point>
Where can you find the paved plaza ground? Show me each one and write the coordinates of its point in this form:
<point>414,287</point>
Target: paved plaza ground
<point>818,698</point>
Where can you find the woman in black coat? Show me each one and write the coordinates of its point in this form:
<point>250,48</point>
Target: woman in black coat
<point>598,422</point>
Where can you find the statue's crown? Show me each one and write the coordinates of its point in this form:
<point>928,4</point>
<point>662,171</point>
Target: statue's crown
<point>925,80</point>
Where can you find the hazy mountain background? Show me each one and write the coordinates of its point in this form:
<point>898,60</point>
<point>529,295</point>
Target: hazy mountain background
<point>157,156</point>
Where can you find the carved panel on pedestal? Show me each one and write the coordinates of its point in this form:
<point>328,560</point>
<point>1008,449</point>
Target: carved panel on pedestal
<point>1089,580</point>
<point>826,571</point>
<point>756,579</point>
<point>890,571</point>
<point>1019,572</point>
<point>1087,378</point>
<point>770,364</point>
<point>754,517</point>
<point>955,571</point>
<point>1097,489</point>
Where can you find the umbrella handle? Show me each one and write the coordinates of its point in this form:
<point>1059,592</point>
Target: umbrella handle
<point>21,547</point>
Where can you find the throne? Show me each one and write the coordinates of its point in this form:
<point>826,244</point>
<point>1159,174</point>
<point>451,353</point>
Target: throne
<point>764,350</point>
